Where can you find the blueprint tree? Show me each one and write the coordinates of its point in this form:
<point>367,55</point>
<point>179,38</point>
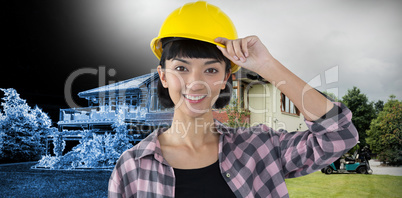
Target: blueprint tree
<point>22,129</point>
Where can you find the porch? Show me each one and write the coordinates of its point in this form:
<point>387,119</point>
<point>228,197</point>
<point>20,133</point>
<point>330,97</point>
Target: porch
<point>99,114</point>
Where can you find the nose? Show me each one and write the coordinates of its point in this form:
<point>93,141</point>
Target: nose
<point>196,85</point>
<point>195,82</point>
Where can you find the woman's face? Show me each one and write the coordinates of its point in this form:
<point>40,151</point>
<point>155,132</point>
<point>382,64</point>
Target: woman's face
<point>194,84</point>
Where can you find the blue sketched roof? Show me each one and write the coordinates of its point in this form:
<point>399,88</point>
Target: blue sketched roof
<point>126,85</point>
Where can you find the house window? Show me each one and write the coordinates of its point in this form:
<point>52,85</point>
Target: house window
<point>131,100</point>
<point>128,100</point>
<point>234,92</point>
<point>287,106</point>
<point>143,97</point>
<point>238,93</point>
<point>121,101</point>
<point>112,103</point>
<point>102,103</point>
<point>134,101</point>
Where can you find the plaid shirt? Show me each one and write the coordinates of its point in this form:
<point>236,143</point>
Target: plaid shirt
<point>254,161</point>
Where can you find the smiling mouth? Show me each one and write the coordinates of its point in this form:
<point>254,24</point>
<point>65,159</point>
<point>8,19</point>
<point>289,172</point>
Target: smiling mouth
<point>194,97</point>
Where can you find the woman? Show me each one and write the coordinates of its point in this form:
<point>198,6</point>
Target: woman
<point>199,156</point>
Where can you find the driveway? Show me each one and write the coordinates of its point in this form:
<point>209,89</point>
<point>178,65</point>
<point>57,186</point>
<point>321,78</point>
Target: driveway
<point>384,170</point>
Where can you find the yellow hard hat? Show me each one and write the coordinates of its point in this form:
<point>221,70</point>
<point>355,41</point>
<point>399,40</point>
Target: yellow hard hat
<point>199,21</point>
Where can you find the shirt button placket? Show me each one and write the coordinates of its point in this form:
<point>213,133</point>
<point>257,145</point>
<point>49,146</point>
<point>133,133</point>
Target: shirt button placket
<point>228,175</point>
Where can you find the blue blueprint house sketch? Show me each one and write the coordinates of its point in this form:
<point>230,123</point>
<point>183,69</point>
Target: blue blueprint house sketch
<point>134,99</point>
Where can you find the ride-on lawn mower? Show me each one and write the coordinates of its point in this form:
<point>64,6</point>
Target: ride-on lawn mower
<point>356,163</point>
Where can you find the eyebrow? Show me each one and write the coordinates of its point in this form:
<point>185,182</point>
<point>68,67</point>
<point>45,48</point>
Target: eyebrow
<point>206,63</point>
<point>181,60</point>
<point>211,62</point>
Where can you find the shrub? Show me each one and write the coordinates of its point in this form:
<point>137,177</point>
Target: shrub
<point>94,151</point>
<point>58,143</point>
<point>47,161</point>
<point>385,133</point>
<point>392,157</point>
<point>237,116</point>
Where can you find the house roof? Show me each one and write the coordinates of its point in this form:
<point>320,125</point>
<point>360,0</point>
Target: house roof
<point>130,84</point>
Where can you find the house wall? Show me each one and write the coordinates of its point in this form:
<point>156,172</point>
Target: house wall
<point>265,107</point>
<point>291,122</point>
<point>258,105</point>
<point>221,116</point>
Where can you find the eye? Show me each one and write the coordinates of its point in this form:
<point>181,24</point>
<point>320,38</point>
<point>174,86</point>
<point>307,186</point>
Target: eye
<point>180,68</point>
<point>211,70</point>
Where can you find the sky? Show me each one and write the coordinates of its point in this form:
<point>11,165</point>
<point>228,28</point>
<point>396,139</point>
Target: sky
<point>333,45</point>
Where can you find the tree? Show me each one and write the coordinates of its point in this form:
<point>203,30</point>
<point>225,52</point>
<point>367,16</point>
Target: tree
<point>331,95</point>
<point>379,105</point>
<point>122,141</point>
<point>44,124</point>
<point>22,129</point>
<point>362,110</point>
<point>385,133</point>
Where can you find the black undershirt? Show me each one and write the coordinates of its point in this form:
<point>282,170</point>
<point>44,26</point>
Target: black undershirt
<point>202,182</point>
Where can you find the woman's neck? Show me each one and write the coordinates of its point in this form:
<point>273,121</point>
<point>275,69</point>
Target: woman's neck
<point>191,131</point>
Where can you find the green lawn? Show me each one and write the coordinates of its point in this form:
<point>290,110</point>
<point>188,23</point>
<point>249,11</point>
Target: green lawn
<point>345,185</point>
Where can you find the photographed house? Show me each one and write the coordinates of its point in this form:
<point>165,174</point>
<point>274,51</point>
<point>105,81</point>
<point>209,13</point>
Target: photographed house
<point>136,102</point>
<point>266,103</point>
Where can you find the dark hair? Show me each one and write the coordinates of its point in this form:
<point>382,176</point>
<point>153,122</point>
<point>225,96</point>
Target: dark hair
<point>188,48</point>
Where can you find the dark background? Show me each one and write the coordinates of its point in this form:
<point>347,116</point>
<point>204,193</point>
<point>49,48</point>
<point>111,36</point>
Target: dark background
<point>44,42</point>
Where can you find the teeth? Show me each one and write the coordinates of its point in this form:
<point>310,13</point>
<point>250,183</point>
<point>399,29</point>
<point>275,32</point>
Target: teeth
<point>194,97</point>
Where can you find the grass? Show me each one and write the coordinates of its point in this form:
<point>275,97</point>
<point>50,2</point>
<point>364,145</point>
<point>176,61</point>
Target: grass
<point>345,185</point>
<point>20,181</point>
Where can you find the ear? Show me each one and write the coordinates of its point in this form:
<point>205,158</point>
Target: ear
<point>162,76</point>
<point>226,79</point>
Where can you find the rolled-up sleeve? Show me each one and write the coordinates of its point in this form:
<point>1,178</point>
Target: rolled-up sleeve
<point>325,141</point>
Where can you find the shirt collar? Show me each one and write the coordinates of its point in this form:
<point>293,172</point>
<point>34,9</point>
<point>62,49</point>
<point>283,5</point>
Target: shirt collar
<point>150,145</point>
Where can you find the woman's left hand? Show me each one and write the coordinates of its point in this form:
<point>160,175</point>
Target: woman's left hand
<point>248,52</point>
